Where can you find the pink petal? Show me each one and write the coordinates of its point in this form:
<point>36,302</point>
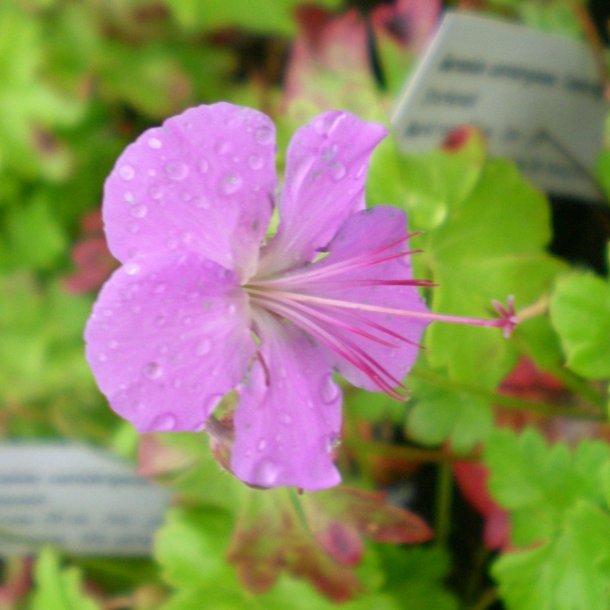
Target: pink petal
<point>326,168</point>
<point>365,233</point>
<point>289,416</point>
<point>167,338</point>
<point>203,182</point>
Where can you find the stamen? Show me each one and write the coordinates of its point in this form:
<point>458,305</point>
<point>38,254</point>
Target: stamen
<point>353,354</point>
<point>507,320</point>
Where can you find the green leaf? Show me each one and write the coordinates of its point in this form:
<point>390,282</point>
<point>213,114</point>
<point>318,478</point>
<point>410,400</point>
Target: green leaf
<point>57,588</point>
<point>275,16</point>
<point>570,572</point>
<point>438,413</point>
<point>538,483</point>
<point>580,312</point>
<point>35,239</point>
<point>415,576</point>
<point>490,246</point>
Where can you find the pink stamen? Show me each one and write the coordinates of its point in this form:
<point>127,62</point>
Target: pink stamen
<point>507,320</point>
<point>353,355</point>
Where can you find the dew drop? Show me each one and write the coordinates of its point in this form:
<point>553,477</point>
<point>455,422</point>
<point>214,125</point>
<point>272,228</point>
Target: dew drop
<point>201,202</point>
<point>255,162</point>
<point>338,171</point>
<point>140,211</point>
<point>102,357</point>
<point>177,171</point>
<point>187,320</point>
<point>113,344</point>
<point>152,370</point>
<point>132,268</point>
<point>204,347</point>
<point>159,288</point>
<point>329,390</point>
<point>156,192</point>
<point>127,172</point>
<point>231,184</point>
<point>333,440</point>
<point>128,197</point>
<point>232,309</point>
<point>223,148</point>
<point>203,166</point>
<point>186,196</point>
<point>160,320</point>
<point>265,473</point>
<point>163,423</point>
<point>286,419</point>
<point>262,445</point>
<point>154,143</point>
<point>133,227</point>
<point>264,135</point>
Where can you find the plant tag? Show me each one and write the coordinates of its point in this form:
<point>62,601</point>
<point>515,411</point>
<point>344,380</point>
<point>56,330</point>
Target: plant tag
<point>536,96</point>
<point>77,498</point>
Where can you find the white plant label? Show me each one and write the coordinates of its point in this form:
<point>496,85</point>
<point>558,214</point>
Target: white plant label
<point>77,498</point>
<point>536,96</point>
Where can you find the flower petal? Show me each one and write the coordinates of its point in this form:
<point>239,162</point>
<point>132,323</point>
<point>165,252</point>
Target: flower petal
<point>167,338</point>
<point>361,236</point>
<point>289,416</point>
<point>203,182</point>
<point>326,167</point>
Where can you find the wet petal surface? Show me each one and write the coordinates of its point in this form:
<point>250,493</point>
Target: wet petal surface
<point>326,169</point>
<point>167,338</point>
<point>202,182</point>
<point>289,417</point>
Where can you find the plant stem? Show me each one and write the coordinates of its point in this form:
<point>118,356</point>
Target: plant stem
<point>444,488</point>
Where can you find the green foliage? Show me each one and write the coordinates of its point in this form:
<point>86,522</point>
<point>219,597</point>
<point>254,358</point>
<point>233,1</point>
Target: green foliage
<point>580,312</point>
<point>559,510</point>
<point>57,588</point>
<point>270,15</point>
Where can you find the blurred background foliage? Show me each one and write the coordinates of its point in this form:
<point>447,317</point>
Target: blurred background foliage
<point>81,79</point>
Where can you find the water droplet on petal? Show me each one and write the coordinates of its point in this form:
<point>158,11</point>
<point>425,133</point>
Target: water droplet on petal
<point>128,197</point>
<point>223,148</point>
<point>160,320</point>
<point>102,357</point>
<point>232,309</point>
<point>338,171</point>
<point>133,227</point>
<point>152,370</point>
<point>113,344</point>
<point>329,390</point>
<point>204,347</point>
<point>262,444</point>
<point>140,211</point>
<point>187,320</point>
<point>231,184</point>
<point>127,172</point>
<point>203,166</point>
<point>285,418</point>
<point>333,440</point>
<point>264,135</point>
<point>163,423</point>
<point>156,192</point>
<point>186,196</point>
<point>266,473</point>
<point>255,162</point>
<point>132,268</point>
<point>154,143</point>
<point>159,288</point>
<point>177,171</point>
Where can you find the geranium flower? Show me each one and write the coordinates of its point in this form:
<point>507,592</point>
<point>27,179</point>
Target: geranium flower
<point>203,304</point>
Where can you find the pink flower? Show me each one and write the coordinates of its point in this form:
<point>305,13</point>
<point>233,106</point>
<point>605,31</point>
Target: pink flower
<point>203,304</point>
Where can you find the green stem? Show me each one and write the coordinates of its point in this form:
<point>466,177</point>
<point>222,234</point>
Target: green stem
<point>508,402</point>
<point>488,597</point>
<point>412,454</point>
<point>444,488</point>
